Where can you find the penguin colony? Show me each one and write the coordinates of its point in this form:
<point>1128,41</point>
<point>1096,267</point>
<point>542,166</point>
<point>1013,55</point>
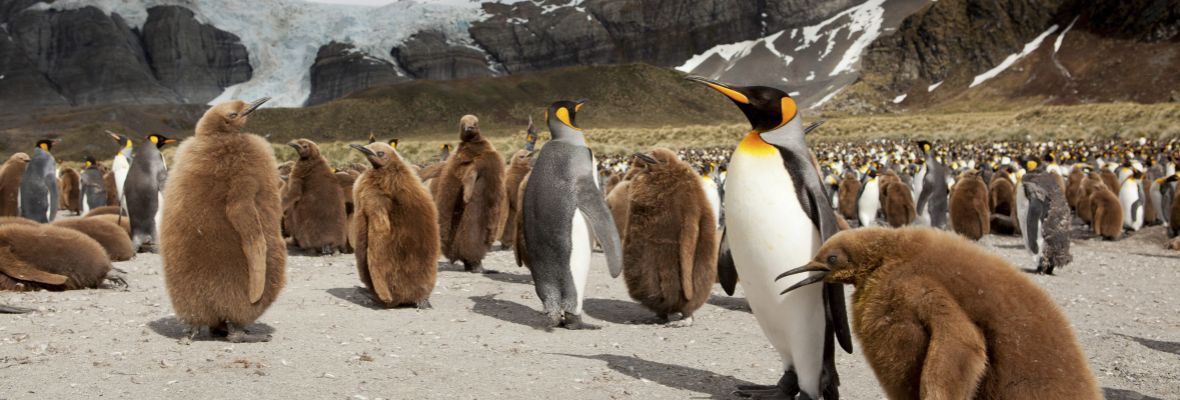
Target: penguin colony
<point>671,222</point>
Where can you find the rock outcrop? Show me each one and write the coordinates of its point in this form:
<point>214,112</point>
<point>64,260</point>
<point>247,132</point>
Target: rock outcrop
<point>341,69</point>
<point>428,55</point>
<point>196,61</point>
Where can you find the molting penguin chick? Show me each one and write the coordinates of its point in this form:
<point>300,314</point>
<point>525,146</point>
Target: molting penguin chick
<point>10,178</point>
<point>970,215</point>
<point>396,230</point>
<point>51,258</point>
<point>144,190</point>
<point>930,331</point>
<point>670,250</point>
<point>223,199</point>
<point>314,202</point>
<point>1044,218</point>
<point>897,200</point>
<point>1106,211</point>
<point>38,185</point>
<point>471,198</point>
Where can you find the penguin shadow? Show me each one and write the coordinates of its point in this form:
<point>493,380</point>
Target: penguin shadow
<point>1166,347</point>
<point>730,303</point>
<point>507,311</point>
<point>444,266</point>
<point>618,311</point>
<point>355,295</point>
<point>1124,394</point>
<point>501,276</point>
<point>172,328</point>
<point>1155,255</point>
<point>1009,246</point>
<point>669,375</point>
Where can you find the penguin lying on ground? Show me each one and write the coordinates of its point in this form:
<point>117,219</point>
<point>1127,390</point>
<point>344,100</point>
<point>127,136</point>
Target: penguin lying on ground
<point>224,257</point>
<point>670,250</point>
<point>562,208</point>
<point>113,239</point>
<point>928,329</point>
<point>396,230</point>
<point>52,258</point>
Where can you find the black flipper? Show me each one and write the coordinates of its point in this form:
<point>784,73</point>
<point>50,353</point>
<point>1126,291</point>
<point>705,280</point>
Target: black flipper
<point>1038,209</point>
<point>726,270</point>
<point>593,205</point>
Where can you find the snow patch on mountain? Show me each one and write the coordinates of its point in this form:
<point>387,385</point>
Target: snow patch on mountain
<point>1012,59</point>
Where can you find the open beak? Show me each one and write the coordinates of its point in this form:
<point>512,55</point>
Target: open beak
<point>646,158</point>
<point>254,106</point>
<point>729,92</point>
<point>364,150</point>
<point>810,267</point>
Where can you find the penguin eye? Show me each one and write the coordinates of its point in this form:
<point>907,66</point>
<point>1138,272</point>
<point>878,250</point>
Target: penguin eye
<point>832,260</point>
<point>233,115</point>
<point>381,154</point>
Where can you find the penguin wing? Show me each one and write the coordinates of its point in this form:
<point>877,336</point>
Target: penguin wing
<point>243,215</point>
<point>469,180</point>
<point>12,266</point>
<point>1036,210</point>
<point>381,224</point>
<point>593,205</point>
<point>726,270</point>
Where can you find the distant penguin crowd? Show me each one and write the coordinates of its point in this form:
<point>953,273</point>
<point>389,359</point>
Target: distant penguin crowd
<point>789,218</point>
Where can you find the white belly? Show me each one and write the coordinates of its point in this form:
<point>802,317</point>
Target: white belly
<point>868,204</point>
<point>580,256</point>
<point>714,200</point>
<point>1128,195</point>
<point>120,167</point>
<point>768,234</point>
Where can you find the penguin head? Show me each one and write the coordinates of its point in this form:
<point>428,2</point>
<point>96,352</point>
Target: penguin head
<point>227,117</point>
<point>444,152</point>
<point>379,154</point>
<point>1030,163</point>
<point>123,141</point>
<point>924,145</point>
<point>20,157</point>
<point>372,138</point>
<point>159,140</point>
<point>531,131</point>
<point>658,159</point>
<point>562,117</point>
<point>521,157</point>
<point>766,108</point>
<point>47,144</point>
<point>394,142</point>
<point>89,161</point>
<point>307,149</point>
<point>847,257</point>
<point>469,128</point>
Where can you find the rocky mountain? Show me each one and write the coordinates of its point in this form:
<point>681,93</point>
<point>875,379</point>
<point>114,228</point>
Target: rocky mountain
<point>841,55</point>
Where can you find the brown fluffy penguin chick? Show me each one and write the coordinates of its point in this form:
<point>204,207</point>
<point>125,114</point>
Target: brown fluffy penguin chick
<point>517,169</point>
<point>113,239</point>
<point>939,317</point>
<point>1003,196</point>
<point>224,260</point>
<point>849,191</point>
<point>670,250</point>
<point>1107,213</point>
<point>51,258</point>
<point>314,202</point>
<point>18,220</point>
<point>104,210</point>
<point>619,203</point>
<point>970,215</point>
<point>112,188</point>
<point>1110,179</point>
<point>470,198</point>
<point>1090,184</point>
<point>346,181</point>
<point>10,177</point>
<point>118,220</point>
<point>396,231</point>
<point>69,184</point>
<point>519,249</point>
<point>897,200</point>
<point>1074,187</point>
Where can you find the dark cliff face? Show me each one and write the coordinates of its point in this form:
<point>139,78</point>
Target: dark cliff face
<point>195,60</point>
<point>427,55</point>
<point>84,57</point>
<point>341,69</point>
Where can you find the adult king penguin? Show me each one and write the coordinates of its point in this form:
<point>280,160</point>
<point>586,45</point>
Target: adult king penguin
<point>562,206</point>
<point>143,191</point>
<point>121,165</point>
<point>932,193</point>
<point>94,192</point>
<point>38,186</point>
<point>777,214</point>
<point>1043,215</point>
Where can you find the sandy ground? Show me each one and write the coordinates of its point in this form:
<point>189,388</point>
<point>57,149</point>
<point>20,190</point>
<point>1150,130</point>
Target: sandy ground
<point>483,337</point>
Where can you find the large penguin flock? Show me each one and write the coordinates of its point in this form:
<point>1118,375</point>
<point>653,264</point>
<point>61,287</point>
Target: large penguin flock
<point>788,221</point>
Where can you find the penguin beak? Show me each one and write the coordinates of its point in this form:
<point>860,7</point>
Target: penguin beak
<point>646,158</point>
<point>579,103</point>
<point>364,150</point>
<point>810,267</point>
<point>296,145</point>
<point>254,106</point>
<point>115,136</point>
<point>730,92</point>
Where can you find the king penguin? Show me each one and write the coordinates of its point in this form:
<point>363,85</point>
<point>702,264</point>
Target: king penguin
<point>869,201</point>
<point>562,206</point>
<point>38,186</point>
<point>1042,212</point>
<point>932,193</point>
<point>143,191</point>
<point>1131,198</point>
<point>94,192</point>
<point>777,216</point>
<point>121,165</point>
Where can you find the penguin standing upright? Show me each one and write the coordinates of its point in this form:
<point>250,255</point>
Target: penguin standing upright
<point>10,176</point>
<point>1131,198</point>
<point>777,216</point>
<point>470,198</point>
<point>709,183</point>
<point>69,184</point>
<point>932,199</point>
<point>121,165</point>
<point>1043,215</point>
<point>143,191</point>
<point>868,203</point>
<point>313,202</point>
<point>518,168</point>
<point>38,186</point>
<point>562,206</point>
<point>94,192</point>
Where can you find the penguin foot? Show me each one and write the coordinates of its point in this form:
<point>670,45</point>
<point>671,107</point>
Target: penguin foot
<point>327,251</point>
<point>773,393</point>
<point>683,322</point>
<point>190,334</point>
<point>117,278</point>
<point>240,335</point>
<point>574,322</point>
<point>423,304</point>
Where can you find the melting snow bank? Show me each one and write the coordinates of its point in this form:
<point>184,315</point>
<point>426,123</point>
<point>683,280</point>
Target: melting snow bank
<point>934,86</point>
<point>734,51</point>
<point>1061,37</point>
<point>283,36</point>
<point>1012,59</point>
<point>899,99</point>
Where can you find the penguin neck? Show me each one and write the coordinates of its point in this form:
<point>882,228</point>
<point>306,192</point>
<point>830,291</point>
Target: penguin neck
<point>753,145</point>
<point>567,135</point>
